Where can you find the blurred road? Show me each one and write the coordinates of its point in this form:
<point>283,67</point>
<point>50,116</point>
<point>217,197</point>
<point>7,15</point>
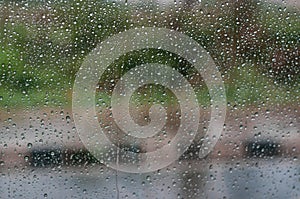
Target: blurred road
<point>278,178</point>
<point>228,172</point>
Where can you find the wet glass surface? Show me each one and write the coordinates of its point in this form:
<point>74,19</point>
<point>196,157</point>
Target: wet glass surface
<point>160,99</point>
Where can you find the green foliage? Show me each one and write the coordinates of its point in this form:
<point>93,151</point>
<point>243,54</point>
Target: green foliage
<point>90,22</point>
<point>39,56</point>
<point>14,72</point>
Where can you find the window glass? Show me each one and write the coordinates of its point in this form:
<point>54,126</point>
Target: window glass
<point>150,99</point>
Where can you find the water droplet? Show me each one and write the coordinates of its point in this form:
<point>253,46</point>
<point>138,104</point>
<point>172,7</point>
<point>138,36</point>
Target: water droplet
<point>68,118</point>
<point>26,158</point>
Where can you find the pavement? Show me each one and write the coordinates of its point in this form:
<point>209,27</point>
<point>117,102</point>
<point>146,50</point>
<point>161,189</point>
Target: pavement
<point>230,171</point>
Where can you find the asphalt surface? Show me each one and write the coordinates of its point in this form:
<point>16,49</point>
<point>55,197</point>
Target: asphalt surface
<point>224,174</point>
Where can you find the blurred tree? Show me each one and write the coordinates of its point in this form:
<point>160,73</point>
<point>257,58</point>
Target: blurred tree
<point>4,13</point>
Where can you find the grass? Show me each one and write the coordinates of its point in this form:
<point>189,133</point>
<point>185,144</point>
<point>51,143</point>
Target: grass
<point>245,86</point>
<point>12,98</point>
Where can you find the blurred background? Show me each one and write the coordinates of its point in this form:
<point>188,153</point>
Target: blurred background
<point>256,46</point>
